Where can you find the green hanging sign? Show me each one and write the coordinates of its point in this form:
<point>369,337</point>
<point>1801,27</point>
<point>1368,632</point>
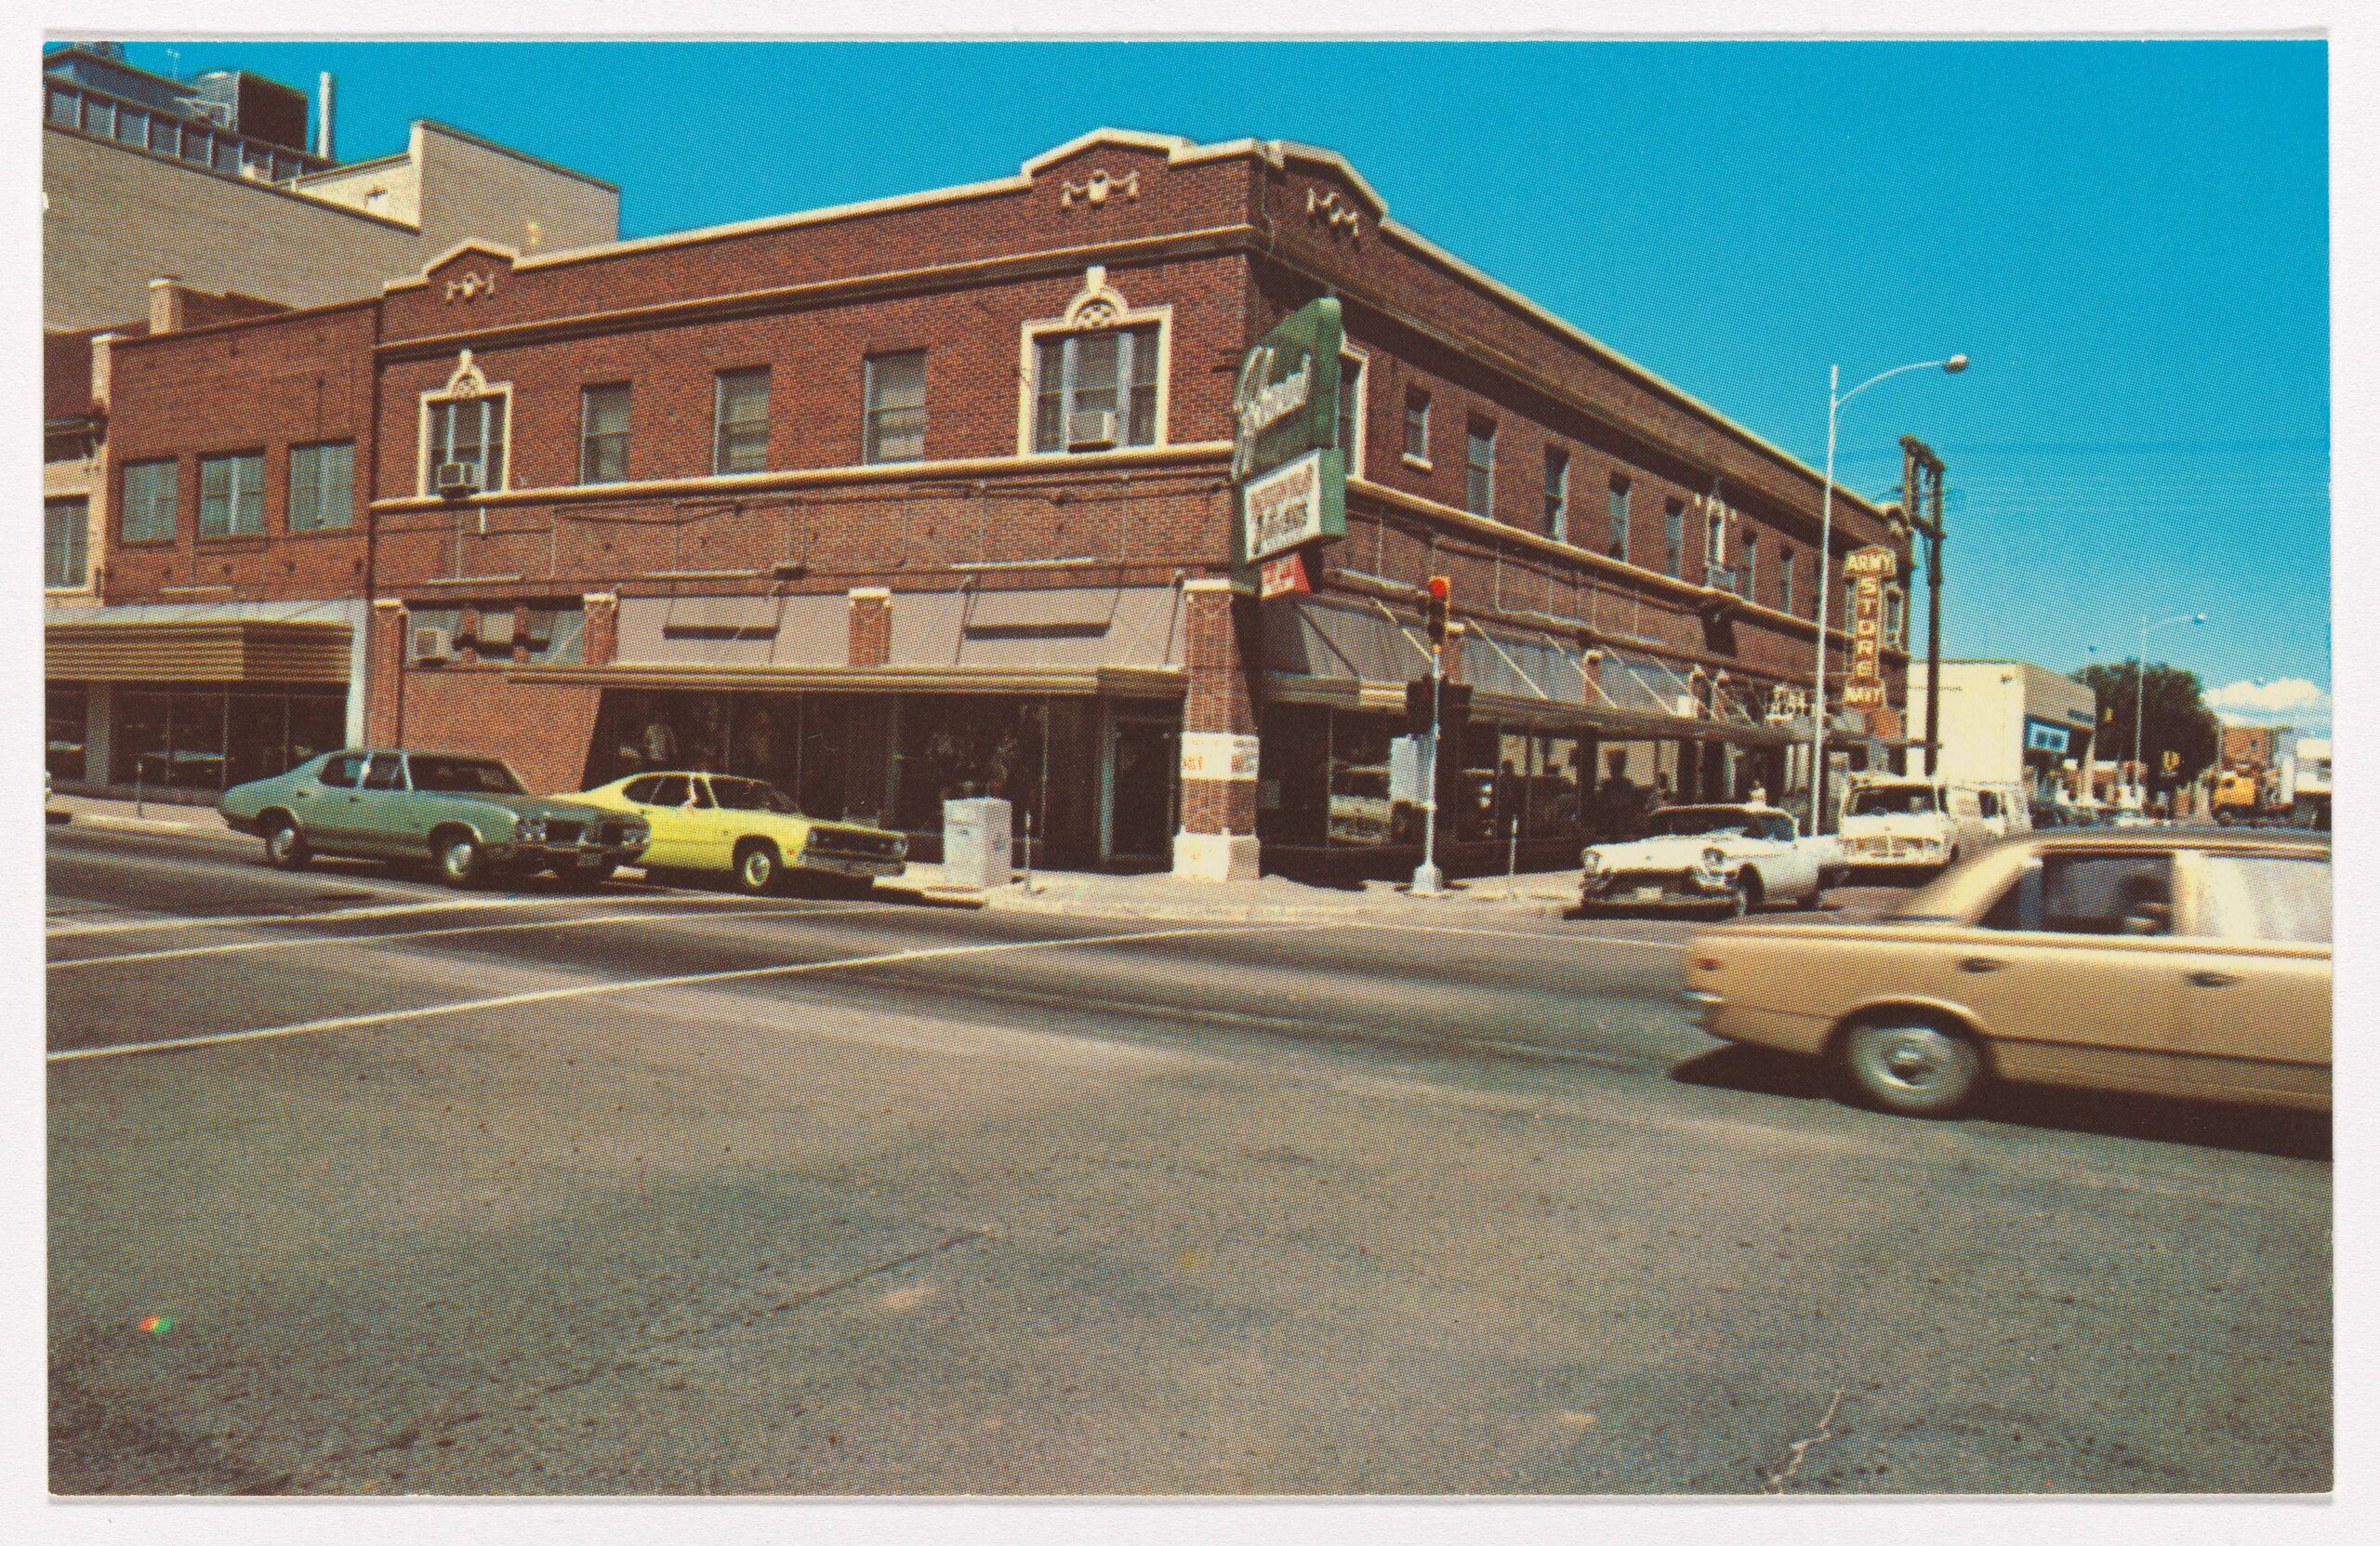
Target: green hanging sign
<point>1291,471</point>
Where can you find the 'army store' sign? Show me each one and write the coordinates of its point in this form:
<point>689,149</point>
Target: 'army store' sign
<point>1293,473</point>
<point>1870,567</point>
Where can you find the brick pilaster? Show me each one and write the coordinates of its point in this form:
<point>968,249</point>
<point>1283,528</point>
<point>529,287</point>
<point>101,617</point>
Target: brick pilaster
<point>601,643</point>
<point>384,674</point>
<point>1219,754</point>
<point>871,626</point>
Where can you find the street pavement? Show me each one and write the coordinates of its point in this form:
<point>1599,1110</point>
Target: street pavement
<point>361,1186</point>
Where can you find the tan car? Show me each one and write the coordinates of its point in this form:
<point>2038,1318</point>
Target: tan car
<point>2166,962</point>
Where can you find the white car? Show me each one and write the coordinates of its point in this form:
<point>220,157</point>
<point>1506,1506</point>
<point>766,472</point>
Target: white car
<point>1726,858</point>
<point>1912,824</point>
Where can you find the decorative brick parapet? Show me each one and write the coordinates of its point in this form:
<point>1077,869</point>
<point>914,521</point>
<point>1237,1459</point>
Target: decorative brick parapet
<point>871,626</point>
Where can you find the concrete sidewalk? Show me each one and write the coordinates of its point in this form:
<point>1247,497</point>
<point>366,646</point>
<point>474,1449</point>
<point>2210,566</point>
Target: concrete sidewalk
<point>1158,896</point>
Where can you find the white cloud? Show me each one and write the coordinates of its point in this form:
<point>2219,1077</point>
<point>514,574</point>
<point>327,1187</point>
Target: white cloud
<point>2289,699</point>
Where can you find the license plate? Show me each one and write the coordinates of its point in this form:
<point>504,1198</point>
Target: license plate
<point>1649,893</point>
<point>588,861</point>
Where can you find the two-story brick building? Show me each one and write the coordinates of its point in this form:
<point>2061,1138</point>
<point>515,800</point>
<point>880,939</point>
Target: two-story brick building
<point>932,495</point>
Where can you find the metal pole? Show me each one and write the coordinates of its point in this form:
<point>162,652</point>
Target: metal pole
<point>1512,858</point>
<point>1426,880</point>
<point>2139,712</point>
<point>1028,851</point>
<point>1825,585</point>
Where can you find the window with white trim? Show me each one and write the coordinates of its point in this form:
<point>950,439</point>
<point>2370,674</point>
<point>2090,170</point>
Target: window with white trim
<point>321,486</point>
<point>1617,547</point>
<point>603,433</point>
<point>1417,425</point>
<point>66,542</point>
<point>1748,572</point>
<point>468,432</point>
<point>1674,539</point>
<point>1557,493</point>
<point>1785,581</point>
<point>1095,390</point>
<point>740,416</point>
<point>231,494</point>
<point>1896,617</point>
<point>1351,414</point>
<point>1714,545</point>
<point>894,387</point>
<point>151,492</point>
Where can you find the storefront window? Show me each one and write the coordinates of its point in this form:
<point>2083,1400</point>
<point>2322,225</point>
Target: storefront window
<point>1552,810</point>
<point>1362,807</point>
<point>962,747</point>
<point>70,707</point>
<point>1293,797</point>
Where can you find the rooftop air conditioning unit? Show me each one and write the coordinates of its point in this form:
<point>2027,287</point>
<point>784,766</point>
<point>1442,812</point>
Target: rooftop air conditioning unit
<point>432,643</point>
<point>1090,431</point>
<point>458,478</point>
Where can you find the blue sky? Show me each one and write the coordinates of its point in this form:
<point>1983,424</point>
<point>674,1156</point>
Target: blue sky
<point>2129,240</point>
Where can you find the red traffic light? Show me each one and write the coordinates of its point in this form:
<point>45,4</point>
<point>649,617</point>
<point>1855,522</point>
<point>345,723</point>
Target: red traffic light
<point>1440,587</point>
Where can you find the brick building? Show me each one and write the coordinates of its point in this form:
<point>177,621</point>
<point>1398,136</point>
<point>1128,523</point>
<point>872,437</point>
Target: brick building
<point>933,496</point>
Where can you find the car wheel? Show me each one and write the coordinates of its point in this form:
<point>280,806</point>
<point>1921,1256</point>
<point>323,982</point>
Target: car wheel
<point>1815,899</point>
<point>285,847</point>
<point>460,862</point>
<point>1911,1066</point>
<point>756,869</point>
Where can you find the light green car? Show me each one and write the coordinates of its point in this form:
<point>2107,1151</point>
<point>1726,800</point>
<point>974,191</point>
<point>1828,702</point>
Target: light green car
<point>468,815</point>
<point>745,829</point>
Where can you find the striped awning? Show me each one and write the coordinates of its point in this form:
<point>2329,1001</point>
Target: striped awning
<point>229,649</point>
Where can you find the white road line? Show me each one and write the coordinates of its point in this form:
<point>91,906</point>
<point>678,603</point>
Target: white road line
<point>1524,935</point>
<point>335,941</point>
<point>395,909</point>
<point>650,984</point>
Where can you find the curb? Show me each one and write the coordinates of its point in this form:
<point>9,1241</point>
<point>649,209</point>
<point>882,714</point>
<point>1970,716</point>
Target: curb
<point>150,824</point>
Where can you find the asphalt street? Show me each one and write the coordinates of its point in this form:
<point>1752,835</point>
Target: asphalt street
<point>358,1185</point>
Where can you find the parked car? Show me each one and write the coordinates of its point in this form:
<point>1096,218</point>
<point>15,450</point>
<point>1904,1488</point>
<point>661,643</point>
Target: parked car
<point>470,816</point>
<point>2187,963</point>
<point>745,829</point>
<point>1729,858</point>
<point>1903,824</point>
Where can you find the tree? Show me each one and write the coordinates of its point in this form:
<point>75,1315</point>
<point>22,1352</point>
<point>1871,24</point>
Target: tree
<point>2178,720</point>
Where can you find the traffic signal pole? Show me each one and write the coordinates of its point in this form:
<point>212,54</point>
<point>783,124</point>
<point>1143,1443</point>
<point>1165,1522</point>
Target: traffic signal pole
<point>1427,881</point>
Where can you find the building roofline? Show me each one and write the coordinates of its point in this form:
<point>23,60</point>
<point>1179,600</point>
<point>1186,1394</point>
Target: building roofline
<point>515,152</point>
<point>296,313</point>
<point>278,189</point>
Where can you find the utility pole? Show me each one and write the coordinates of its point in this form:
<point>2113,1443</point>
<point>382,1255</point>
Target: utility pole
<point>1921,479</point>
<point>1427,880</point>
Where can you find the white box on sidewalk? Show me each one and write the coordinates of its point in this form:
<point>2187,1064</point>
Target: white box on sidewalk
<point>976,841</point>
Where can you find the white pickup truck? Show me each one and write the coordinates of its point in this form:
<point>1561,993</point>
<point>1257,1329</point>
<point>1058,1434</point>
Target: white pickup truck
<point>1903,824</point>
<point>1729,859</point>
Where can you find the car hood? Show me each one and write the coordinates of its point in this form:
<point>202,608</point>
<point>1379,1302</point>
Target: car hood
<point>1672,852</point>
<point>544,805</point>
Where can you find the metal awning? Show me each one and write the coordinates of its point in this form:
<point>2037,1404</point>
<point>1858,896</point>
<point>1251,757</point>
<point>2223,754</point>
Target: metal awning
<point>215,650</point>
<point>1105,682</point>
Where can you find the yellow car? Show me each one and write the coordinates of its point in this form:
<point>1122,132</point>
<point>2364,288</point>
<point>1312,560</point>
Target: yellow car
<point>2166,961</point>
<point>745,829</point>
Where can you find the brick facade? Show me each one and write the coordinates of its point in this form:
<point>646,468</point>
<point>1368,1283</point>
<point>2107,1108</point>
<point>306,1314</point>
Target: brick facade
<point>1213,244</point>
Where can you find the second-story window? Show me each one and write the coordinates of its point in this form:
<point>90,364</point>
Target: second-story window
<point>740,440</point>
<point>321,486</point>
<point>1417,426</point>
<point>467,438</point>
<point>1618,545</point>
<point>1351,414</point>
<point>1785,579</point>
<point>603,434</point>
<point>152,490</point>
<point>1674,539</point>
<point>1479,470</point>
<point>1896,617</point>
<point>1096,390</point>
<point>1748,571</point>
<point>896,391</point>
<point>231,494</point>
<point>1714,547</point>
<point>66,540</point>
<point>1557,493</point>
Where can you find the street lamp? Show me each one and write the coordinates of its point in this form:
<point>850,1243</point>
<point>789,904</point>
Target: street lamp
<point>2139,691</point>
<point>1834,402</point>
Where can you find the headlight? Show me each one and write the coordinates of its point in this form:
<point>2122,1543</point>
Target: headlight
<point>900,847</point>
<point>1589,861</point>
<point>1714,857</point>
<point>533,830</point>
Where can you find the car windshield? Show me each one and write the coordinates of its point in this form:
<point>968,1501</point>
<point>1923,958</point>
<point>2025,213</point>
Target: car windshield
<point>747,794</point>
<point>1892,799</point>
<point>464,775</point>
<point>1701,822</point>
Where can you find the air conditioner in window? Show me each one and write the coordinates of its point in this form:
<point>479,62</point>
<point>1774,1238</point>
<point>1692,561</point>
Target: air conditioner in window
<point>432,643</point>
<point>1090,431</point>
<point>458,478</point>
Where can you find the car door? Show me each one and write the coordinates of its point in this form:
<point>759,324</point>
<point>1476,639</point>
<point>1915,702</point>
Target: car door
<point>2256,983</point>
<point>376,807</point>
<point>328,811</point>
<point>1792,864</point>
<point>2074,974</point>
<point>712,830</point>
<point>661,799</point>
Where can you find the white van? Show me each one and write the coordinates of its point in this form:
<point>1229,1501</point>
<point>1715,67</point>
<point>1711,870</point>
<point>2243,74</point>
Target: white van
<point>2006,808</point>
<point>1897,822</point>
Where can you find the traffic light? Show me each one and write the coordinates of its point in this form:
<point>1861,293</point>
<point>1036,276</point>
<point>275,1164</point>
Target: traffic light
<point>1454,704</point>
<point>1440,589</point>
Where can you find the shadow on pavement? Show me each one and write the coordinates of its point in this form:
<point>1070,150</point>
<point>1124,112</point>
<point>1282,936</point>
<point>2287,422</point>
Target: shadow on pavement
<point>2206,1124</point>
